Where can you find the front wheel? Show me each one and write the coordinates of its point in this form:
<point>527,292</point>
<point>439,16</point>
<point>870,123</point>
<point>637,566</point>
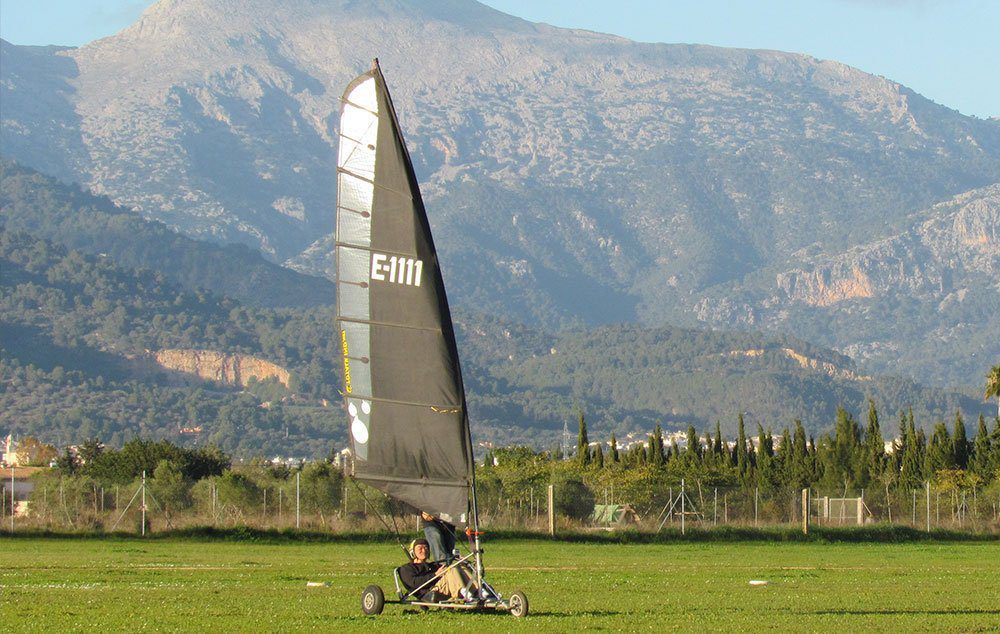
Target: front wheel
<point>372,600</point>
<point>518,604</point>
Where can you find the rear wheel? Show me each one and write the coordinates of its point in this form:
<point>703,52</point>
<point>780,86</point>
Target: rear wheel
<point>518,604</point>
<point>372,600</point>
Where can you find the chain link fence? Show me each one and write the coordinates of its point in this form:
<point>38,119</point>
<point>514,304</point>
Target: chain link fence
<point>327,501</point>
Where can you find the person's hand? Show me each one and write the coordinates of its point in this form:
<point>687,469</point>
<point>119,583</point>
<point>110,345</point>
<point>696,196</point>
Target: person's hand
<point>440,570</point>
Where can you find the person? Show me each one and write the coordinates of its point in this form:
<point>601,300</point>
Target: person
<point>450,583</point>
<point>439,534</point>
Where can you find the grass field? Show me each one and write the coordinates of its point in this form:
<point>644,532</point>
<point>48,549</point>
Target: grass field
<point>119,584</point>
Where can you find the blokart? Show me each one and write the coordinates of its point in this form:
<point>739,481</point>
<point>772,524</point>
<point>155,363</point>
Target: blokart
<point>373,599</point>
<point>403,393</point>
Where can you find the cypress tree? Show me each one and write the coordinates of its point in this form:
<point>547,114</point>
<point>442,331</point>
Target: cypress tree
<point>874,446</point>
<point>693,454</point>
<point>940,451</point>
<point>765,459</point>
<point>844,456</point>
<point>960,443</point>
<point>582,443</point>
<point>599,456</point>
<point>980,460</point>
<point>798,469</point>
<point>657,456</point>
<point>782,456</point>
<point>742,459</point>
<point>911,472</point>
<point>717,448</point>
<point>614,448</point>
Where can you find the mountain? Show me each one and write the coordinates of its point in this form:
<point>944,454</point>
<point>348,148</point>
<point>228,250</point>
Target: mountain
<point>46,208</point>
<point>130,342</point>
<point>572,178</point>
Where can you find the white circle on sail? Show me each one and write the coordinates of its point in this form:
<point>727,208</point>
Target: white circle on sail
<point>366,407</point>
<point>360,431</point>
<point>352,409</point>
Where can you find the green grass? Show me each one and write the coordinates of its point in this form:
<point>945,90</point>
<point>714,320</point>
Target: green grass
<point>174,584</point>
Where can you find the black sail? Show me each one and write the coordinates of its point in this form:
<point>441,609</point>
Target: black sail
<point>403,389</point>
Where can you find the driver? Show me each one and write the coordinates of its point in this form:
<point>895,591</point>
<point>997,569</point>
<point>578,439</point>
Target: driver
<point>419,571</point>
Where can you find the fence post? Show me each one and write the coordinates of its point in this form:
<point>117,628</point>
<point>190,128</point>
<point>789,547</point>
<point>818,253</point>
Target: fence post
<point>805,511</point>
<point>928,484</point>
<point>297,477</point>
<point>552,512</point>
<point>715,508</point>
<point>12,505</point>
<point>144,503</point>
<point>682,506</point>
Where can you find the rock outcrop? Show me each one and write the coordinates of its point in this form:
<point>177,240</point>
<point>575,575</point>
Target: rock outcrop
<point>218,367</point>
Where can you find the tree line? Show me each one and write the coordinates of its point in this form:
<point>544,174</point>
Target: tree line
<point>849,459</point>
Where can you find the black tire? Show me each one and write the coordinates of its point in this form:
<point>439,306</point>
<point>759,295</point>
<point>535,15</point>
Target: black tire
<point>372,600</point>
<point>518,604</point>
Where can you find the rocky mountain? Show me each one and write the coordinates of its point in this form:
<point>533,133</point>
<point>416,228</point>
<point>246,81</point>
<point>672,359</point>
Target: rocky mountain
<point>114,339</point>
<point>572,177</point>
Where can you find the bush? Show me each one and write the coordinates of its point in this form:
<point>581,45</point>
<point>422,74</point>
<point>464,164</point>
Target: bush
<point>572,498</point>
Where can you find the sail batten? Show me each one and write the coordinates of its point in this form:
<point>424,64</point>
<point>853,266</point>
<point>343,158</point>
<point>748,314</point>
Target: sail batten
<point>406,407</point>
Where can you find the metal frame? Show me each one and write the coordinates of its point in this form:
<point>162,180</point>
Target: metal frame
<point>488,598</point>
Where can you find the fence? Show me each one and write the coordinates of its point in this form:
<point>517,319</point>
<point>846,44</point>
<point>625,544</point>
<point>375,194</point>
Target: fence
<point>73,503</point>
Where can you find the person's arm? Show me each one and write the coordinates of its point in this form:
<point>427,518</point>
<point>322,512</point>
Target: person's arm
<point>414,576</point>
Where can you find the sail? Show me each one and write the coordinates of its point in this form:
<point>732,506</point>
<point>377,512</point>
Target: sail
<point>403,389</point>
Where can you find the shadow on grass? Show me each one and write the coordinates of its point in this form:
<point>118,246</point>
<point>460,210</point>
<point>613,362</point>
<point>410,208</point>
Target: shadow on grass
<point>538,613</point>
<point>903,612</point>
<point>882,533</point>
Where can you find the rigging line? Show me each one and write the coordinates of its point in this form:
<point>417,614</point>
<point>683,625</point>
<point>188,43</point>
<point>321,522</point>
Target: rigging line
<point>395,532</point>
<point>358,106</point>
<point>384,324</point>
<point>360,142</point>
<point>374,399</point>
<point>405,194</point>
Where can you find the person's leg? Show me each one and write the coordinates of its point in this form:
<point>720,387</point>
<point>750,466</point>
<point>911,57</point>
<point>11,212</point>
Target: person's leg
<point>433,536</point>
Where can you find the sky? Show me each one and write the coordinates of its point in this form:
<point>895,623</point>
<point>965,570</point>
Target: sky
<point>946,50</point>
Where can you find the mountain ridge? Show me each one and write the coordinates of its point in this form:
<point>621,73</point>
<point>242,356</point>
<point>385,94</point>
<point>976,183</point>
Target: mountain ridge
<point>571,177</point>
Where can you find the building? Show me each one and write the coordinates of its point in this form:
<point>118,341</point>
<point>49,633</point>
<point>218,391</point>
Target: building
<point>9,457</point>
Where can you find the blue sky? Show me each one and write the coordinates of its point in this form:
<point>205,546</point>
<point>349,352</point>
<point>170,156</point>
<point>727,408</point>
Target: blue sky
<point>947,50</point>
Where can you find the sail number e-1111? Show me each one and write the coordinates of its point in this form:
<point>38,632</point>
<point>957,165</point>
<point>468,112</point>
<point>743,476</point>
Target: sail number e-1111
<point>397,270</point>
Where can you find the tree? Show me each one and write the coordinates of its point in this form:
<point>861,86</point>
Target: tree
<point>742,459</point>
<point>321,486</point>
<point>598,457</point>
<point>874,446</point>
<point>692,455</point>
<point>766,475</point>
<point>656,454</point>
<point>940,450</point>
<point>32,452</point>
<point>911,472</point>
<point>981,460</point>
<point>960,443</point>
<point>572,498</point>
<point>993,386</point>
<point>582,443</point>
<point>614,448</point>
<point>169,487</point>
<point>843,458</point>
